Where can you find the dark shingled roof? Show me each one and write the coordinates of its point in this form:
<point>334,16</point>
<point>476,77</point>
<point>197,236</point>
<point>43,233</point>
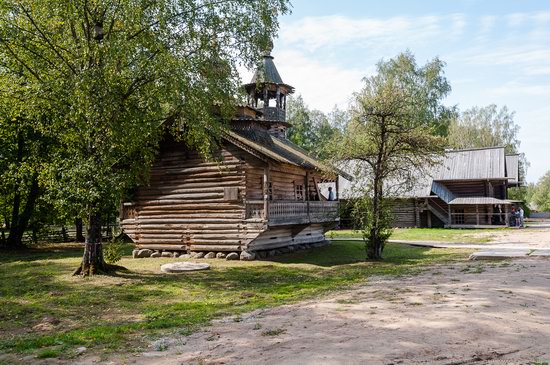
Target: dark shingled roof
<point>267,72</point>
<point>279,150</point>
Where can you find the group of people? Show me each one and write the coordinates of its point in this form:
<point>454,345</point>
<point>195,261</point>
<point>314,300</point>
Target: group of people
<point>516,217</point>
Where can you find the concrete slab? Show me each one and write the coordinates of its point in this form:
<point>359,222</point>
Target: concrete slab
<point>541,253</point>
<point>499,254</point>
<point>176,267</point>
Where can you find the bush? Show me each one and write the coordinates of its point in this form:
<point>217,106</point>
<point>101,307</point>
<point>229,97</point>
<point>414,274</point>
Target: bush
<point>113,251</point>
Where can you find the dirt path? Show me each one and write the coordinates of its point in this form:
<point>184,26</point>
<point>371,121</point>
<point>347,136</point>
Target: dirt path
<point>479,313</point>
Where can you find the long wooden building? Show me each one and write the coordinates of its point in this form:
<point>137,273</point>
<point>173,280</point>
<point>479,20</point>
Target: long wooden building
<point>467,189</point>
<point>260,193</point>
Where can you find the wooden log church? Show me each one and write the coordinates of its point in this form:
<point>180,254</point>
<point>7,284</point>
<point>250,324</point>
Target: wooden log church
<point>261,195</point>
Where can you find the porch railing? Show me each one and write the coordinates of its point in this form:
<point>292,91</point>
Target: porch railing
<point>293,211</point>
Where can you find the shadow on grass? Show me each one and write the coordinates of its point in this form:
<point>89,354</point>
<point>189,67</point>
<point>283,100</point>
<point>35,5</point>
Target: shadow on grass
<point>110,311</point>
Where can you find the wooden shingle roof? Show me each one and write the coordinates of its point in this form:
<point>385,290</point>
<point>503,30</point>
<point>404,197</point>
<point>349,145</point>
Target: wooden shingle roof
<point>279,150</point>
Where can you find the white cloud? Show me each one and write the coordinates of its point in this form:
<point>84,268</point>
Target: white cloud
<point>321,85</point>
<point>336,30</point>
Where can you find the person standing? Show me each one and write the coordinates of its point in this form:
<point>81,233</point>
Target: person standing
<point>521,213</point>
<point>330,194</point>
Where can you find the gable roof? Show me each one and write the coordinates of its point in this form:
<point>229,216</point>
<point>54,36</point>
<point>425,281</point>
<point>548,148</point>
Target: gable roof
<point>471,164</point>
<point>277,149</point>
<point>489,163</point>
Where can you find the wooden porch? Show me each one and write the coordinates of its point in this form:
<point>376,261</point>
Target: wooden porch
<point>281,212</point>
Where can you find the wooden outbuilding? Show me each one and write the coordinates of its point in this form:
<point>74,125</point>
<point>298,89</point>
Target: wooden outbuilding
<point>467,189</point>
<point>259,193</point>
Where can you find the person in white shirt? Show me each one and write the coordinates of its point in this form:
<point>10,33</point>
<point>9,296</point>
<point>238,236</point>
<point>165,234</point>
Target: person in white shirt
<point>521,216</point>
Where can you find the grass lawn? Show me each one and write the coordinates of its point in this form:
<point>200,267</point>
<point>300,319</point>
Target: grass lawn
<point>428,234</point>
<point>127,311</point>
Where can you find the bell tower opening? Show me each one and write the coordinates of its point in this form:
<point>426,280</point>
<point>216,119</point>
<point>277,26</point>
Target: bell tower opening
<point>267,92</point>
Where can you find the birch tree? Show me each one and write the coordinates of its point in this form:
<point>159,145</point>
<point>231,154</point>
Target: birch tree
<point>114,76</point>
<point>392,136</point>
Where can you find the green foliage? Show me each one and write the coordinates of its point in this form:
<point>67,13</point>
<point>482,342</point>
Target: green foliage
<point>541,195</point>
<point>485,127</point>
<point>312,129</point>
<point>375,229</point>
<point>393,136</point>
<point>35,284</point>
<point>107,79</point>
<point>113,251</point>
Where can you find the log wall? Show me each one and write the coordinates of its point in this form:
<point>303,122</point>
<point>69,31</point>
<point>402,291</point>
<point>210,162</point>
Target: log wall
<point>404,213</point>
<point>191,203</point>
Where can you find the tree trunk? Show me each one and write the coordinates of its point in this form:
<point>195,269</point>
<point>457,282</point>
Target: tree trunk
<point>376,244</point>
<point>92,260</point>
<point>79,235</point>
<point>20,221</point>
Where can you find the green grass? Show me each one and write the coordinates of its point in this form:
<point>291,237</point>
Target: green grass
<point>429,234</point>
<point>133,307</point>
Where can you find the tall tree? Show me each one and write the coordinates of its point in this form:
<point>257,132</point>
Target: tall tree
<point>111,73</point>
<point>392,135</point>
<point>312,129</point>
<point>485,127</point>
<point>541,194</point>
<point>490,126</point>
<point>23,152</point>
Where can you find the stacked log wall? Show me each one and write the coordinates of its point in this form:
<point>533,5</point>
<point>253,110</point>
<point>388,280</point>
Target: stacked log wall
<point>191,203</point>
<point>404,213</point>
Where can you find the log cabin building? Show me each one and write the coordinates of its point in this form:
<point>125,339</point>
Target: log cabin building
<point>261,194</point>
<point>468,189</point>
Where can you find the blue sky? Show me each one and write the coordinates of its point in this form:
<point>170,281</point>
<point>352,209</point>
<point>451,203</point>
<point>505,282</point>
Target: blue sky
<point>496,52</point>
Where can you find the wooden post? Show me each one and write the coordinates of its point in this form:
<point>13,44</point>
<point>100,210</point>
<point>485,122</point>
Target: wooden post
<point>450,218</point>
<point>416,214</point>
<point>266,192</point>
<point>307,195</point>
<point>477,214</point>
<point>506,215</point>
<point>337,188</point>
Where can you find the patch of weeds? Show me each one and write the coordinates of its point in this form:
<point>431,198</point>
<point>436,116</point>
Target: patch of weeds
<point>274,332</point>
<point>48,353</point>
<point>237,319</point>
<point>415,303</point>
<point>478,270</point>
<point>257,326</point>
<point>455,280</point>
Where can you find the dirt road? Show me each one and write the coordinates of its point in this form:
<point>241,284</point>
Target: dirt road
<point>478,313</point>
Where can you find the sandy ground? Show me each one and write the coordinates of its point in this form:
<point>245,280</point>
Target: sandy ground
<point>470,313</point>
<point>537,235</point>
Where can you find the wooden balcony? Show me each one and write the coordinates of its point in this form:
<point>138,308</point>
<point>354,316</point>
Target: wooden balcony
<point>293,212</point>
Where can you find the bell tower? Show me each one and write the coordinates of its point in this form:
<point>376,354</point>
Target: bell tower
<point>267,92</point>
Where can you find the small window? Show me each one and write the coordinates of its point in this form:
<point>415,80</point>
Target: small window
<point>299,191</point>
<point>458,216</point>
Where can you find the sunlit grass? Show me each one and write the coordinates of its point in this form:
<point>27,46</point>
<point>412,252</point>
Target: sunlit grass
<point>126,310</point>
<point>430,234</point>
